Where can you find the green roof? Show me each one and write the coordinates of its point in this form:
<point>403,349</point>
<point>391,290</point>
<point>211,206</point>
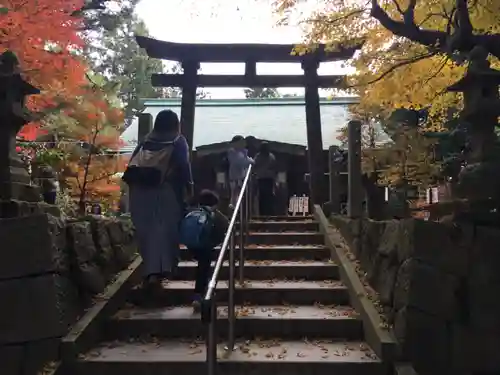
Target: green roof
<point>281,120</point>
<point>176,102</point>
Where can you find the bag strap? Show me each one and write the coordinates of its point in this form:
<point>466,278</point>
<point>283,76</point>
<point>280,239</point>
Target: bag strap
<point>166,143</point>
<point>138,148</point>
<point>208,211</point>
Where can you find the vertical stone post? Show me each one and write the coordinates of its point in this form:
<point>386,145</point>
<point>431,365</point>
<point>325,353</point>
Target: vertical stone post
<point>335,163</point>
<point>355,183</point>
<point>314,136</point>
<point>281,208</point>
<point>188,101</point>
<point>145,126</point>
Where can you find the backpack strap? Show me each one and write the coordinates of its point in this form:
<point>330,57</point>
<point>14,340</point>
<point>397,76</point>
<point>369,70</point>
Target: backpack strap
<point>166,143</point>
<point>138,148</point>
<point>208,210</point>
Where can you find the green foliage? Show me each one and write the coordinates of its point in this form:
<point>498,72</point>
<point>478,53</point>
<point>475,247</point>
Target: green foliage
<point>397,151</point>
<point>117,56</point>
<point>49,156</point>
<point>409,159</point>
<point>98,16</point>
<point>41,153</point>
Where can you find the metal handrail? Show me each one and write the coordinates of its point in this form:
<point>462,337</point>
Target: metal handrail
<point>209,303</point>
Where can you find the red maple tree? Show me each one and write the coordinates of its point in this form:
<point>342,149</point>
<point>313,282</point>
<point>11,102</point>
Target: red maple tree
<point>90,168</point>
<point>44,36</point>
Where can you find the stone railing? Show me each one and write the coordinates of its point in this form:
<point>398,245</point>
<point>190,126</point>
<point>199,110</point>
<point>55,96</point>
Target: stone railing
<point>438,286</point>
<point>51,271</point>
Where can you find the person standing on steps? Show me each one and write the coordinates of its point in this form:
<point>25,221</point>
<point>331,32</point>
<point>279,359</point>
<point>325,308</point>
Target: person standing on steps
<point>239,161</point>
<point>160,182</point>
<point>265,172</point>
<point>202,230</point>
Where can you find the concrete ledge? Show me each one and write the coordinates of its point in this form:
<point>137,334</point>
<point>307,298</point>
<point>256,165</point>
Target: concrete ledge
<point>88,330</point>
<point>381,340</point>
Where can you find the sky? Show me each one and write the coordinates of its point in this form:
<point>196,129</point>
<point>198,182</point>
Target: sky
<point>225,21</point>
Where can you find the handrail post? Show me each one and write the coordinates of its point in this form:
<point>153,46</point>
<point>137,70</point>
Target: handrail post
<point>209,305</point>
<point>209,315</point>
<point>230,310</point>
<point>243,226</point>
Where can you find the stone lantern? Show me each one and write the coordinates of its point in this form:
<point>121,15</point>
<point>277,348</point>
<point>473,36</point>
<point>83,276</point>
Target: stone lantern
<point>15,182</point>
<point>479,179</point>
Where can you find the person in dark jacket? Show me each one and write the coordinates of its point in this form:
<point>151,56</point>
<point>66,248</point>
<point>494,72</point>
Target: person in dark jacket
<point>48,183</point>
<point>208,199</point>
<point>157,211</point>
<point>265,172</point>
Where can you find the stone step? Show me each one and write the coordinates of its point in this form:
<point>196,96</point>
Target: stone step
<point>268,270</point>
<point>281,252</point>
<point>286,238</point>
<point>274,357</point>
<point>269,292</point>
<point>283,218</point>
<point>291,322</point>
<point>283,226</point>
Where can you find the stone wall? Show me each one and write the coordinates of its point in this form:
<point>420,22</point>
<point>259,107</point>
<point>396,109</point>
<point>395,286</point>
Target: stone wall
<point>50,272</point>
<point>439,287</point>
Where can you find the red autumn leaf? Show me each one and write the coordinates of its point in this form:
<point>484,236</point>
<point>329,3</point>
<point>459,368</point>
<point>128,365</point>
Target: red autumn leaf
<point>44,36</point>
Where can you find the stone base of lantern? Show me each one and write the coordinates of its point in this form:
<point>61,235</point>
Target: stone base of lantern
<point>16,208</point>
<point>15,182</point>
<point>20,191</point>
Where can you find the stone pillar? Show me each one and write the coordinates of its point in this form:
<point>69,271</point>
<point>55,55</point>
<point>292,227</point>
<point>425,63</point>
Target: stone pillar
<point>335,159</point>
<point>281,208</point>
<point>314,136</point>
<point>188,102</point>
<point>355,182</point>
<point>145,126</point>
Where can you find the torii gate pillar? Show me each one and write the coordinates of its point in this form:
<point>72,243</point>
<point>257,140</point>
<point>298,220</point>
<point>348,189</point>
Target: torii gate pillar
<point>188,100</point>
<point>314,136</point>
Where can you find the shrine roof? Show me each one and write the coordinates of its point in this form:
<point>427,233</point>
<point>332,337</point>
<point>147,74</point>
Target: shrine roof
<point>274,146</point>
<point>233,53</point>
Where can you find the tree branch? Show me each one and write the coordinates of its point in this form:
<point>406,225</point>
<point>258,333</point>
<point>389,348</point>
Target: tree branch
<point>430,15</point>
<point>323,20</point>
<point>398,7</point>
<point>438,70</point>
<point>463,18</point>
<point>436,39</point>
<point>409,14</point>
<point>393,68</point>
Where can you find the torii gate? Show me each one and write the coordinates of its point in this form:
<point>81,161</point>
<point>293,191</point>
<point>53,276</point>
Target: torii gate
<point>191,55</point>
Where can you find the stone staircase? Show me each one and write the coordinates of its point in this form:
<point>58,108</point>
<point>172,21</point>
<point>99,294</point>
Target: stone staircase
<point>294,317</point>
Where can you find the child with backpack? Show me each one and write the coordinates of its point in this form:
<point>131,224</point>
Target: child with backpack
<point>202,230</point>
